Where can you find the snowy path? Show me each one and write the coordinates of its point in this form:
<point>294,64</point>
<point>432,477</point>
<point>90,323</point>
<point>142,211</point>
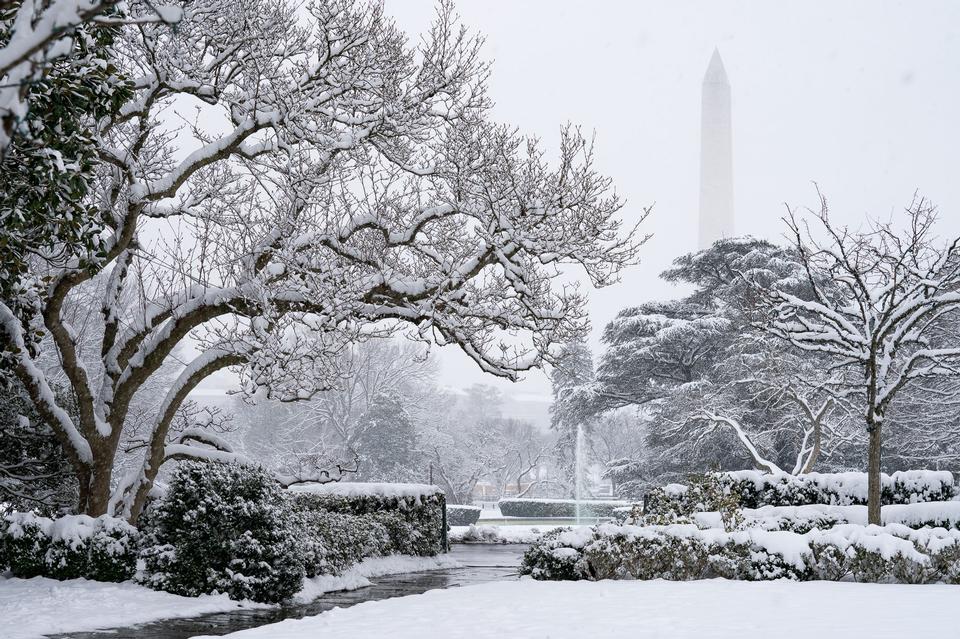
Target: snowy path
<point>710,609</point>
<point>478,564</point>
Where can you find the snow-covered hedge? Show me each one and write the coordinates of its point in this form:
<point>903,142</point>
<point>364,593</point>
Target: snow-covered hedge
<point>522,507</point>
<point>102,548</point>
<point>458,515</point>
<point>411,514</point>
<point>329,543</point>
<point>754,489</point>
<point>891,553</point>
<point>222,528</point>
<point>802,519</point>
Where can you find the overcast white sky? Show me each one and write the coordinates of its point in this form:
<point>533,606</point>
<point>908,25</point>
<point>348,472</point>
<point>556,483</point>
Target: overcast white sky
<point>861,97</point>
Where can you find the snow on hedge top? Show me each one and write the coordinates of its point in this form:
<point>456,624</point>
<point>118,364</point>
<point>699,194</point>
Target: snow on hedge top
<point>889,541</point>
<point>73,530</point>
<point>757,488</point>
<point>367,489</point>
<point>853,484</point>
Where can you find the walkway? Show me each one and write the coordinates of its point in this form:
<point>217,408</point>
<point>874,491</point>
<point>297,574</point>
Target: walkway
<point>481,563</point>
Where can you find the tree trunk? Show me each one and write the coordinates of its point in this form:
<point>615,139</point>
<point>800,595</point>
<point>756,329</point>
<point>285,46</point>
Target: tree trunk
<point>98,495</point>
<point>873,471</point>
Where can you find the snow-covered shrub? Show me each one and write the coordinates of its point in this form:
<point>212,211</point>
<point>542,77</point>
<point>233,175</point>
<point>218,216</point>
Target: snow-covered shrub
<point>329,542</point>
<point>411,514</point>
<point>69,547</point>
<point>680,504</point>
<point>113,550</point>
<point>868,565</point>
<point>945,560</point>
<point>222,528</point>
<point>830,561</point>
<point>675,558</point>
<point>802,519</point>
<point>730,559</point>
<point>565,508</point>
<point>684,551</point>
<point>553,558</point>
<point>26,541</point>
<point>68,554</point>
<point>458,515</point>
<point>755,489</point>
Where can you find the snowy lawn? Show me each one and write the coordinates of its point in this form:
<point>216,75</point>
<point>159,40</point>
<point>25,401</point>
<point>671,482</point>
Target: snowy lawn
<point>709,609</point>
<point>34,607</point>
<point>30,608</point>
<point>490,534</point>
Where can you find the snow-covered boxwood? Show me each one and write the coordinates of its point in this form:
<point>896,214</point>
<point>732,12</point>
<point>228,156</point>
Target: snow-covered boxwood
<point>460,515</point>
<point>222,528</point>
<point>26,541</point>
<point>113,550</point>
<point>329,542</point>
<point>754,489</point>
<point>561,508</point>
<point>411,514</point>
<point>801,519</point>
<point>102,548</point>
<point>891,553</point>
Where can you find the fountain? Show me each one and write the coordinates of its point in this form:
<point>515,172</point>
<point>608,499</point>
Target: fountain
<point>578,471</point>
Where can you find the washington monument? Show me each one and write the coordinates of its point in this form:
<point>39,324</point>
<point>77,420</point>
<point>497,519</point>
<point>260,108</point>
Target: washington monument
<point>716,156</point>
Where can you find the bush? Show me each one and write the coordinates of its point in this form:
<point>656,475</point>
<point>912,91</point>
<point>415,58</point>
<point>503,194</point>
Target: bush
<point>329,543</point>
<point>222,528</point>
<point>113,551</point>
<point>553,558</point>
<point>561,508</point>
<point>410,514</point>
<point>829,561</point>
<point>684,552</point>
<point>26,541</point>
<point>755,489</point>
<point>68,555</point>
<point>458,515</point>
<point>945,560</point>
<point>103,549</point>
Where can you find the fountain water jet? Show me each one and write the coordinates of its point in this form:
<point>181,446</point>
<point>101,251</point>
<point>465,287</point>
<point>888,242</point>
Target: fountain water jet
<point>578,470</point>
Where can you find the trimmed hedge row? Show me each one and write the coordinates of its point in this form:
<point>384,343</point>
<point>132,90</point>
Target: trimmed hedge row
<point>412,515</point>
<point>459,515</point>
<point>802,519</point>
<point>684,552</point>
<point>561,508</point>
<point>230,528</point>
<point>753,489</point>
<point>104,549</point>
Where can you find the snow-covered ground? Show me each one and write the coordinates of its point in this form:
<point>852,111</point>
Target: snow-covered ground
<point>31,608</point>
<point>710,609</point>
<point>489,534</point>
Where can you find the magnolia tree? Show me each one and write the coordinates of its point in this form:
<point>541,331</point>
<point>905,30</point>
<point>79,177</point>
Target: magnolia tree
<point>884,320</point>
<point>332,182</point>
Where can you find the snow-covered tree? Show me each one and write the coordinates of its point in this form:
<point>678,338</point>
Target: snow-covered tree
<point>387,443</point>
<point>38,36</point>
<point>883,323</point>
<point>568,413</point>
<point>34,472</point>
<point>330,426</point>
<point>709,388</point>
<point>335,181</point>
